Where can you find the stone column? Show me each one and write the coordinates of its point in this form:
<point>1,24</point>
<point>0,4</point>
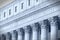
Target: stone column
<point>35,31</point>
<point>44,30</point>
<point>21,34</point>
<point>3,37</point>
<point>54,27</point>
<point>28,32</point>
<point>8,36</point>
<point>0,37</point>
<point>14,35</point>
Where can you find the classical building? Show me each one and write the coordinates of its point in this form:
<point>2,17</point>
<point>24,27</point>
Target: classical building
<point>30,20</point>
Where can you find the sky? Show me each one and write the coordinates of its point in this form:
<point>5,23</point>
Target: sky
<point>4,2</point>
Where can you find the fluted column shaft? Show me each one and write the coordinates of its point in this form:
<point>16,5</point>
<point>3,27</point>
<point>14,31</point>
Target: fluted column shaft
<point>8,36</point>
<point>54,28</point>
<point>35,31</point>
<point>13,38</point>
<point>21,34</point>
<point>14,35</point>
<point>0,37</point>
<point>28,32</point>
<point>44,30</point>
<point>3,37</point>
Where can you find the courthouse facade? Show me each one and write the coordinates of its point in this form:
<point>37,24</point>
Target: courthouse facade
<point>30,20</point>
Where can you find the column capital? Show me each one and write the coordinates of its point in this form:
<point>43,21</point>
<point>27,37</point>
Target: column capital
<point>45,23</point>
<point>54,20</point>
<point>14,34</point>
<point>36,26</point>
<point>14,31</point>
<point>21,31</point>
<point>8,33</point>
<point>3,35</point>
<point>28,29</point>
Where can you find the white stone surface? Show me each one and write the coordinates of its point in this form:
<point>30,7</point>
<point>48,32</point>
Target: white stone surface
<point>53,32</point>
<point>44,34</point>
<point>34,35</point>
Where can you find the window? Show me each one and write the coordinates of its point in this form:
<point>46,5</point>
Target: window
<point>22,5</point>
<point>4,14</point>
<point>15,8</point>
<point>36,0</point>
<point>9,11</point>
<point>29,2</point>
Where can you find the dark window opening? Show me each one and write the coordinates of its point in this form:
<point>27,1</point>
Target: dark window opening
<point>15,8</point>
<point>36,0</point>
<point>22,5</point>
<point>29,2</point>
<point>9,11</point>
<point>4,14</point>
